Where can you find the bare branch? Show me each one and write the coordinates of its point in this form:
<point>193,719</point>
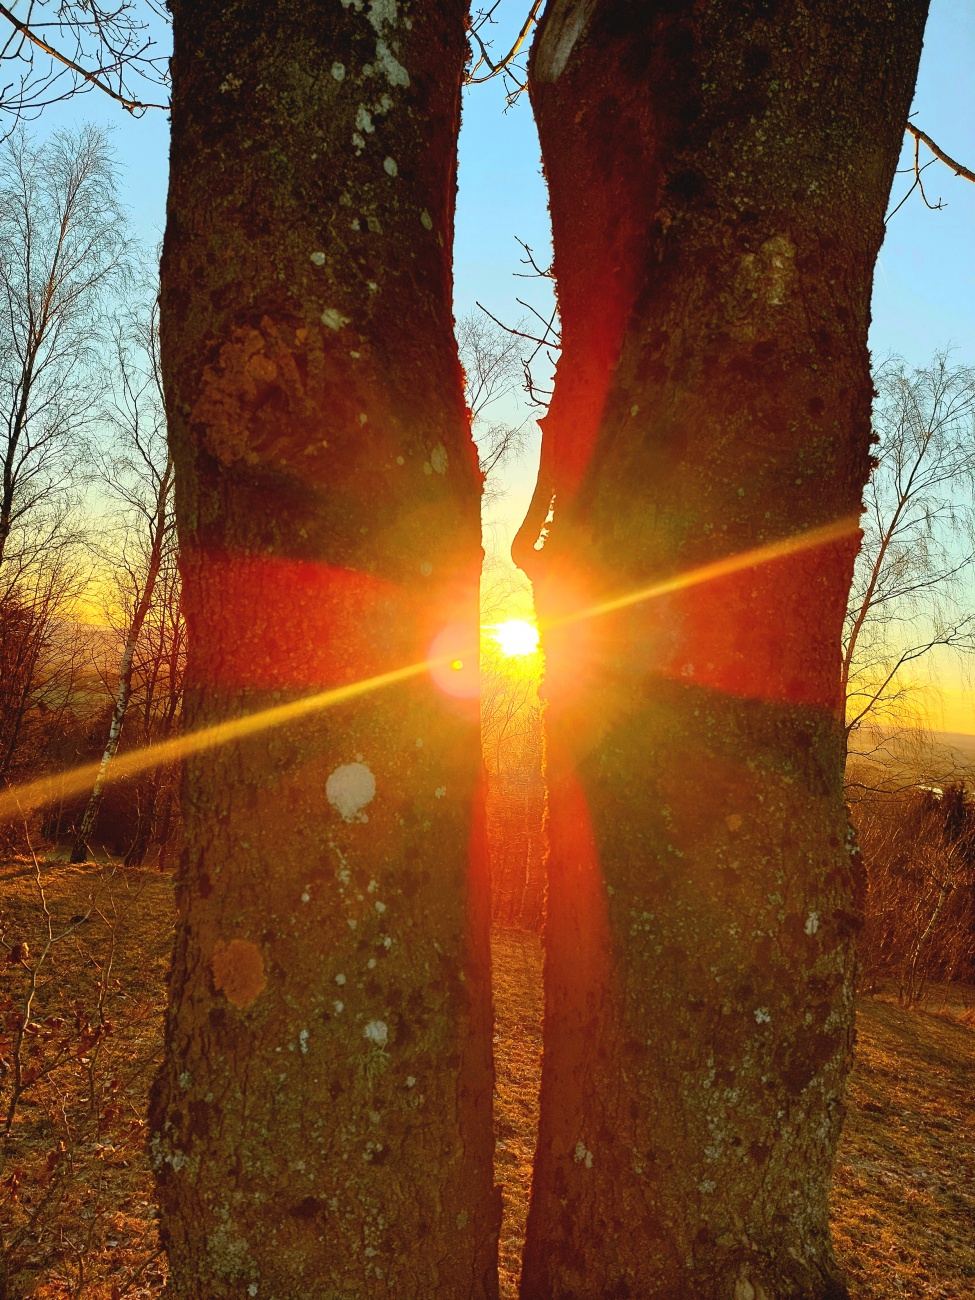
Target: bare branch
<point>497,68</point>
<point>134,106</point>
<point>958,168</point>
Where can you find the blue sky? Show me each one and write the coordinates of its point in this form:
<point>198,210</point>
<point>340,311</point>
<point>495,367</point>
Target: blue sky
<point>925,283</point>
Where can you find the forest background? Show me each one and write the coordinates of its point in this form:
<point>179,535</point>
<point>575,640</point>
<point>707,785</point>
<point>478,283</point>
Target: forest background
<point>922,291</point>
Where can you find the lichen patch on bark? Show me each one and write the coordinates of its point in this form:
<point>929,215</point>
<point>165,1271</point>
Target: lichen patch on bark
<point>238,972</point>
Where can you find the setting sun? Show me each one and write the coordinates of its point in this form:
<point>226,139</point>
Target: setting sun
<point>515,637</point>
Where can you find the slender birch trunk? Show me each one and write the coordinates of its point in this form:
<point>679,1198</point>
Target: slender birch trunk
<point>159,525</point>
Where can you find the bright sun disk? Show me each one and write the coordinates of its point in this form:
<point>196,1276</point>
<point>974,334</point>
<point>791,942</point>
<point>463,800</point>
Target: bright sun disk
<point>515,637</point>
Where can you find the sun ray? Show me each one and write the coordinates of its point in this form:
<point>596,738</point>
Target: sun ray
<point>19,801</point>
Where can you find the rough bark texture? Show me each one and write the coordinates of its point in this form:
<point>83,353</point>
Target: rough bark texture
<point>322,1124</point>
<point>718,174</point>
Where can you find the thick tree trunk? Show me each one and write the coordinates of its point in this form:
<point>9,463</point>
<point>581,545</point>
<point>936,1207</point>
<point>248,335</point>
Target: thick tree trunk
<point>718,174</point>
<point>322,1124</point>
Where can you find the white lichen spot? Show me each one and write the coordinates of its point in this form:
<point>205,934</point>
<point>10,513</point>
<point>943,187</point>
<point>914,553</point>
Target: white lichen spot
<point>419,742</point>
<point>359,143</point>
<point>410,1080</point>
<point>340,978</point>
<point>382,13</point>
<point>438,459</point>
<point>333,318</point>
<point>317,258</point>
<point>380,908</point>
<point>373,226</point>
<point>363,120</point>
<point>400,460</point>
<point>426,221</point>
<point>306,897</point>
<point>377,1032</point>
<point>707,1187</point>
<point>780,252</point>
<point>389,167</point>
<point>338,71</point>
<point>812,923</point>
<point>762,1016</point>
<point>355,357</point>
<point>372,286</point>
<point>303,1042</point>
<point>634,409</point>
<point>339,1007</point>
<point>349,788</point>
<point>440,792</point>
<point>185,1080</point>
<point>252,1289</point>
<point>387,62</point>
<point>371,964</point>
<point>426,568</point>
<point>582,1156</point>
<point>387,941</point>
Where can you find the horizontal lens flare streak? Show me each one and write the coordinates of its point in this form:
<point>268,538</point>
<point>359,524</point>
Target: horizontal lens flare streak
<point>19,801</point>
<point>723,568</point>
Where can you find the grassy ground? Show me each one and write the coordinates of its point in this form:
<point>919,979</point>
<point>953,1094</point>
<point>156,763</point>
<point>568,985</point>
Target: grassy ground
<point>904,1193</point>
<point>75,1191</point>
<point>76,1212</point>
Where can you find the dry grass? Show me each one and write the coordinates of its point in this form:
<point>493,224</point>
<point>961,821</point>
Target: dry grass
<point>75,1189</point>
<point>904,1195</point>
<point>517,960</point>
<point>76,1212</point>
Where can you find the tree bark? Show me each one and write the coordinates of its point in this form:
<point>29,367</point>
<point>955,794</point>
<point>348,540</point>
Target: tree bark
<point>718,175</point>
<point>322,1123</point>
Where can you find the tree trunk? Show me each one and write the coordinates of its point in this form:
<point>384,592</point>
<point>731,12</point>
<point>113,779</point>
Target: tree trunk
<point>718,175</point>
<point>322,1122</point>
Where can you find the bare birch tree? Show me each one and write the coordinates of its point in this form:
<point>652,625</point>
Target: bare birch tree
<point>63,247</point>
<point>912,584</point>
<point>138,475</point>
<point>491,357</point>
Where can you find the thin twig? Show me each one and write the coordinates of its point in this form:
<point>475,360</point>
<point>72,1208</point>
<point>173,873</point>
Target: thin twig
<point>958,168</point>
<point>133,106</point>
<point>512,53</point>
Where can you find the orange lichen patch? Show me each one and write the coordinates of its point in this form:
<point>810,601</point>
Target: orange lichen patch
<point>238,971</point>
